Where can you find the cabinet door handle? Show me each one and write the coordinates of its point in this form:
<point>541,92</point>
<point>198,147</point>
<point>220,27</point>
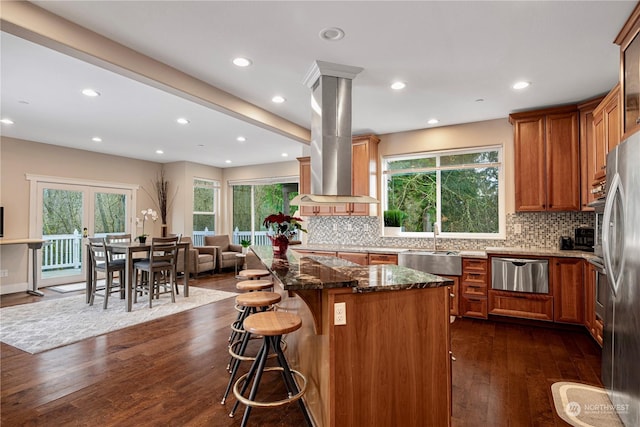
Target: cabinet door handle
<point>452,295</point>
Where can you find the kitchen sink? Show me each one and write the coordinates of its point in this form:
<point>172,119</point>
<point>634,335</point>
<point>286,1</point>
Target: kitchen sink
<point>442,262</point>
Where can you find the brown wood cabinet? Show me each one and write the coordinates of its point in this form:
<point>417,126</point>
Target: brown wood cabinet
<point>473,284</point>
<point>547,163</point>
<point>520,304</point>
<point>454,301</point>
<point>305,188</point>
<point>375,259</point>
<point>587,152</point>
<point>364,176</point>
<point>591,322</point>
<point>566,275</point>
<point>361,258</point>
<point>607,131</point>
<point>629,41</point>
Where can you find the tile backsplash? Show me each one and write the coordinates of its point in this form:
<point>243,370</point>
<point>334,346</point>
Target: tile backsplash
<point>537,230</point>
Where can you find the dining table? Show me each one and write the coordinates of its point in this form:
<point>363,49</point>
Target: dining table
<point>129,249</point>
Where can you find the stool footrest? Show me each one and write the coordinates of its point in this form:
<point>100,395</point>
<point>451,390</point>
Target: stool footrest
<point>273,404</point>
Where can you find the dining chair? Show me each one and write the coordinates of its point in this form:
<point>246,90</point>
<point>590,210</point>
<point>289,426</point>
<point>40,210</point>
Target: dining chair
<point>118,238</point>
<point>103,261</point>
<point>158,273</point>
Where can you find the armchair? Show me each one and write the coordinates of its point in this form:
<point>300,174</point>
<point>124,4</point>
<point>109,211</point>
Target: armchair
<point>226,251</point>
<point>201,258</point>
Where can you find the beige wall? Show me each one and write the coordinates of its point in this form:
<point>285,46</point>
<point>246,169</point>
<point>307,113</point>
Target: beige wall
<point>19,157</point>
<point>491,132</point>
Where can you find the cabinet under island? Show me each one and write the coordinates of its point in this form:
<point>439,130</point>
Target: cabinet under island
<point>390,363</point>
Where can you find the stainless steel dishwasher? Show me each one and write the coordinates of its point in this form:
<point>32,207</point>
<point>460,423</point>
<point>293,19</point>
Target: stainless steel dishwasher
<point>520,275</point>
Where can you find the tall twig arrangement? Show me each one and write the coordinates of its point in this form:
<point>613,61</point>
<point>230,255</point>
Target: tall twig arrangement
<point>161,187</point>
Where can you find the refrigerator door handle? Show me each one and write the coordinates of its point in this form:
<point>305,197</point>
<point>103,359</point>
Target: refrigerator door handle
<point>610,228</point>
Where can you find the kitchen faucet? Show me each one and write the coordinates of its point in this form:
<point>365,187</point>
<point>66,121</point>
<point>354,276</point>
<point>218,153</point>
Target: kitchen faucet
<point>435,235</point>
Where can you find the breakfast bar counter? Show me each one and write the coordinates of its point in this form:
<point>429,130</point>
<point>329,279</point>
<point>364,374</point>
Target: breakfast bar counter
<point>385,360</point>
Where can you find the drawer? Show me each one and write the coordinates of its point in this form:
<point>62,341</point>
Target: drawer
<point>513,304</point>
<point>383,259</point>
<point>472,277</point>
<point>474,265</point>
<point>472,289</point>
<point>473,307</point>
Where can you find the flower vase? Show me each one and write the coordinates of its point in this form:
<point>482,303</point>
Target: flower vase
<point>279,244</point>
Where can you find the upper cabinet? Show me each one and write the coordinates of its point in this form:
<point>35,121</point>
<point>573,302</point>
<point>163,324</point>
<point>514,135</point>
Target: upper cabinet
<point>587,152</point>
<point>547,161</point>
<point>607,132</point>
<point>364,176</point>
<point>629,41</point>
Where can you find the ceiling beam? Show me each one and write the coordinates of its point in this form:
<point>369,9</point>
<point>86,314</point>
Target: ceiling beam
<point>37,25</point>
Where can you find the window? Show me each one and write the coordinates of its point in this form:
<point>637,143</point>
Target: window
<point>460,190</point>
<point>252,202</point>
<point>205,203</point>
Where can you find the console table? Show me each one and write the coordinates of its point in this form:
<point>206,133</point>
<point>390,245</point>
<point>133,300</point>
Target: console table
<point>34,245</point>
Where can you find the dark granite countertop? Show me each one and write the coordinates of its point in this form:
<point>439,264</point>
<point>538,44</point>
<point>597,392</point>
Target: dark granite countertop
<point>302,272</point>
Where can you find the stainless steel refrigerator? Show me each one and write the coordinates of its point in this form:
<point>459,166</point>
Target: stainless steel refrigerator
<point>621,252</point>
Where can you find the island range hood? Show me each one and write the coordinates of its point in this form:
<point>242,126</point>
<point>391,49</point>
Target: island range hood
<point>330,86</point>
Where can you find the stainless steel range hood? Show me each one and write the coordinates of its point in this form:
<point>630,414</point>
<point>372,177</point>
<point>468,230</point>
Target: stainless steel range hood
<point>330,86</point>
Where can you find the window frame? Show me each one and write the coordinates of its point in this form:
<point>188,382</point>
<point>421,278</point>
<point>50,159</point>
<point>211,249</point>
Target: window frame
<point>216,202</point>
<point>385,173</point>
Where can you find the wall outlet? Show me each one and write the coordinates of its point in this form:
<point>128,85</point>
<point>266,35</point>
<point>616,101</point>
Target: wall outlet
<point>335,227</point>
<point>349,227</point>
<point>366,228</point>
<point>340,313</point>
<point>4,273</point>
<point>517,228</point>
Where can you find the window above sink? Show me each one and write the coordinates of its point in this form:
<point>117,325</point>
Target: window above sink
<point>460,190</point>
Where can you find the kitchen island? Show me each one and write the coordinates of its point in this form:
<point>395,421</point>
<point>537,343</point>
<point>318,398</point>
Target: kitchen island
<point>390,362</point>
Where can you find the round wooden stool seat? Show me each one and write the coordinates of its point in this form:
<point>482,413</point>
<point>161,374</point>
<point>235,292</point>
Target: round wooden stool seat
<point>254,285</point>
<point>272,323</point>
<point>258,299</point>
<point>254,273</point>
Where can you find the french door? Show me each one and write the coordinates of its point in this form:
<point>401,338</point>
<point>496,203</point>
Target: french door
<point>65,215</point>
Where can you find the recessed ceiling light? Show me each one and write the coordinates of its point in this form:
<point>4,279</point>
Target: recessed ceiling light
<point>241,139</point>
<point>159,152</point>
<point>433,121</point>
<point>278,99</point>
<point>241,62</point>
<point>6,121</point>
<point>521,85</point>
<point>183,121</point>
<point>96,139</point>
<point>90,92</point>
<point>332,34</point>
<point>285,155</point>
<point>227,161</point>
<point>398,85</point>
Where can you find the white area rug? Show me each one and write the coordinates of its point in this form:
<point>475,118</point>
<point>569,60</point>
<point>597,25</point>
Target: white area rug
<point>73,287</point>
<point>49,324</point>
<point>583,405</point>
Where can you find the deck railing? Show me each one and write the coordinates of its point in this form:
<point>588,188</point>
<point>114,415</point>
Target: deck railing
<point>65,251</point>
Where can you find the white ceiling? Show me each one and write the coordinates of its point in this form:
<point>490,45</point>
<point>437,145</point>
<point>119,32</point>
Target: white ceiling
<point>450,54</point>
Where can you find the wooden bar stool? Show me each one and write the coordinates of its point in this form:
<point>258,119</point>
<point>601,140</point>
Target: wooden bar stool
<point>254,285</point>
<point>271,325</point>
<point>250,303</point>
<point>253,273</point>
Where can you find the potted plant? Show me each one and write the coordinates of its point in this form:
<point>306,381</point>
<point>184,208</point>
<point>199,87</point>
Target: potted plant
<point>245,245</point>
<point>281,228</point>
<point>393,220</point>
<point>146,214</point>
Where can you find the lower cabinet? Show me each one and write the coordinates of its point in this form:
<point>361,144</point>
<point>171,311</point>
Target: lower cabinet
<point>518,304</point>
<point>591,322</point>
<point>361,258</point>
<point>375,259</point>
<point>568,292</point>
<point>454,302</point>
<point>473,298</point>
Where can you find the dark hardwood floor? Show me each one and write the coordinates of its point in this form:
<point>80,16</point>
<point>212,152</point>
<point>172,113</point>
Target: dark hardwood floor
<point>171,372</point>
